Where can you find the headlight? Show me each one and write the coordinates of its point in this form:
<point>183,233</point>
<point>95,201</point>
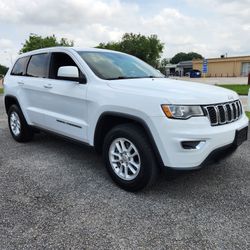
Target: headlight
<point>181,112</point>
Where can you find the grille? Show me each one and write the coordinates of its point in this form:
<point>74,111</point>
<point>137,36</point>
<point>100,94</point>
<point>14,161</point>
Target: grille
<point>223,113</point>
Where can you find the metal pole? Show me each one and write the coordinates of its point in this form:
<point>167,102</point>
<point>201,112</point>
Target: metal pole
<point>248,100</point>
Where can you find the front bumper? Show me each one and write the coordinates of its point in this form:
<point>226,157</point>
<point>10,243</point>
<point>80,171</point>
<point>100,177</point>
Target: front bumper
<point>169,135</point>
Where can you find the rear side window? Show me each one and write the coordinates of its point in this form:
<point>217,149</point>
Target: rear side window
<point>38,66</point>
<point>19,68</point>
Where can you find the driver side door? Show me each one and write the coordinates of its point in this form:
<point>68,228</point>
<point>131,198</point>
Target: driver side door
<point>66,106</point>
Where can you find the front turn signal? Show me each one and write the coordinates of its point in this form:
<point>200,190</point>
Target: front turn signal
<point>167,111</point>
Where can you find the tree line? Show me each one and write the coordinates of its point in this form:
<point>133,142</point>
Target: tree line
<point>3,70</point>
<point>147,48</point>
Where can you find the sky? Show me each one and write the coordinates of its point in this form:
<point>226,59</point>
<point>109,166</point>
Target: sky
<point>208,27</point>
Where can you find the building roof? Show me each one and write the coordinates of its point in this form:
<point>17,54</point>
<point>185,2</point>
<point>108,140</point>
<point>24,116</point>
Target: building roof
<point>231,58</point>
<point>168,66</point>
<point>185,63</point>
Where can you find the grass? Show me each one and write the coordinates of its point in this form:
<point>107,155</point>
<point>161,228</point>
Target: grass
<point>248,114</point>
<point>1,90</point>
<point>238,88</point>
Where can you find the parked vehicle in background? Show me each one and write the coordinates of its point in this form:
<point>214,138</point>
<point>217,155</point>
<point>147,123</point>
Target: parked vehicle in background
<point>138,119</point>
<point>195,73</point>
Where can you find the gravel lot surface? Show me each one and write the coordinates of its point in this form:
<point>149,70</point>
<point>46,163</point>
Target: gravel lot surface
<point>56,194</point>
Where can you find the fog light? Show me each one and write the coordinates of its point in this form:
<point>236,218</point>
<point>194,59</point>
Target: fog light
<point>192,144</point>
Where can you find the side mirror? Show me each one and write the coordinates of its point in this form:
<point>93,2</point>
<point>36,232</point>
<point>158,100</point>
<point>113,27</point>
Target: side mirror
<point>70,73</point>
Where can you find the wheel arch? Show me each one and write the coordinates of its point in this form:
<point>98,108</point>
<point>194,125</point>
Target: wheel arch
<point>9,100</point>
<point>109,119</point>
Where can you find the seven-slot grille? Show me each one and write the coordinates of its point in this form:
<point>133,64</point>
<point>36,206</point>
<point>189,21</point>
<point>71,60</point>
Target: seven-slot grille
<point>220,114</point>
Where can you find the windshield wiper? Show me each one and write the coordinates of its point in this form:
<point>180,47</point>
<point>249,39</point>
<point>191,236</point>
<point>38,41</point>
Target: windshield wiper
<point>152,77</point>
<point>123,77</point>
<point>117,78</point>
<point>131,77</point>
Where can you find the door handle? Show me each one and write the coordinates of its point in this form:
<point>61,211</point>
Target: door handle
<point>20,83</point>
<point>48,86</point>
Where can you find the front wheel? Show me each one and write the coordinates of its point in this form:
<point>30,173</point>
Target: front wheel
<point>129,157</point>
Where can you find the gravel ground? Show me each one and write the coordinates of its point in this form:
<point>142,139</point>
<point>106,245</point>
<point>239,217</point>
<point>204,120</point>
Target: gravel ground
<point>55,194</point>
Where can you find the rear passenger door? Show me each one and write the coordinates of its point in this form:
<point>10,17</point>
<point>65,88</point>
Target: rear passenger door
<point>17,79</point>
<point>33,90</point>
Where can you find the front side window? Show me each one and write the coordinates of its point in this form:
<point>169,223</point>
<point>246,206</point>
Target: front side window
<point>19,68</point>
<point>38,66</point>
<point>111,66</point>
<point>59,59</point>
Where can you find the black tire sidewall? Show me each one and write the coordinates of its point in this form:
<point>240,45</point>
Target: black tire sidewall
<point>25,133</point>
<point>146,157</point>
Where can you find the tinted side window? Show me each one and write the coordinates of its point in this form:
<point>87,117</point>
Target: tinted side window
<point>38,66</point>
<point>59,59</point>
<point>19,68</point>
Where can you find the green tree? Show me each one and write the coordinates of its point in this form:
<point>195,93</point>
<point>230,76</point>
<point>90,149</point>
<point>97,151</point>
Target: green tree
<point>3,70</point>
<point>147,48</point>
<point>163,64</point>
<point>181,56</point>
<point>37,42</point>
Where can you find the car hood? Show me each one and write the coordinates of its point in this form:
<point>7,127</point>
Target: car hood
<point>175,91</point>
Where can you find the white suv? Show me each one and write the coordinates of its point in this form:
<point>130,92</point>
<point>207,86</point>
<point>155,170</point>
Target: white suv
<point>123,107</point>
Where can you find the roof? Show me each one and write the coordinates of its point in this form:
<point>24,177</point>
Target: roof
<point>168,66</point>
<point>231,58</point>
<point>185,63</point>
<point>59,48</point>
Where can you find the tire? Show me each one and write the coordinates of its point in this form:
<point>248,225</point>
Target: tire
<point>139,161</point>
<point>18,126</point>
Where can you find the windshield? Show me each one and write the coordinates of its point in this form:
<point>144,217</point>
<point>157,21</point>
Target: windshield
<point>112,66</point>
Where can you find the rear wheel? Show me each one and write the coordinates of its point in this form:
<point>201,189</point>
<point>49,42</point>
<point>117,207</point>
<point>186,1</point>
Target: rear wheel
<point>129,157</point>
<point>18,126</point>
